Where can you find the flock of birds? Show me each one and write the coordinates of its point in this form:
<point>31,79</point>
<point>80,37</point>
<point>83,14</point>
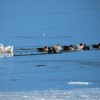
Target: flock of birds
<point>58,48</point>
<point>53,49</point>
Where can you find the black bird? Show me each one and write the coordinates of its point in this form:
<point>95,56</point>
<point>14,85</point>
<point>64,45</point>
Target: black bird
<point>43,49</point>
<point>96,46</point>
<point>68,48</point>
<point>86,47</point>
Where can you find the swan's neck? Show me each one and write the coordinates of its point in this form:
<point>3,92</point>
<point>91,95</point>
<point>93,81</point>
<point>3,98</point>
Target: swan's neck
<point>1,46</point>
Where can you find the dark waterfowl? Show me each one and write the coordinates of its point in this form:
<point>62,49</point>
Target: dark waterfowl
<point>86,47</point>
<point>44,49</point>
<point>58,48</point>
<point>50,50</point>
<point>68,48</point>
<point>96,46</point>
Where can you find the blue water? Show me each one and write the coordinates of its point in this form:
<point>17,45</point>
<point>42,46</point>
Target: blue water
<point>27,74</point>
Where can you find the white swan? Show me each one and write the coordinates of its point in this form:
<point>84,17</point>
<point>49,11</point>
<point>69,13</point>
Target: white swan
<point>8,49</point>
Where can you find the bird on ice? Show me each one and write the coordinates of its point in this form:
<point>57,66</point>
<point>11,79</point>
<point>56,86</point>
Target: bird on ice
<point>7,49</point>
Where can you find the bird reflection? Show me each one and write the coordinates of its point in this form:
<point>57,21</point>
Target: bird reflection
<point>2,55</point>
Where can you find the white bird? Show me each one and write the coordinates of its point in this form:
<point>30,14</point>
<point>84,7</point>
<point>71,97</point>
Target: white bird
<point>8,49</point>
<point>78,46</point>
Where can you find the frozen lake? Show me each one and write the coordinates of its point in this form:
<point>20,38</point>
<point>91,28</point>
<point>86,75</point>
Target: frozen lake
<point>69,75</point>
<point>28,75</point>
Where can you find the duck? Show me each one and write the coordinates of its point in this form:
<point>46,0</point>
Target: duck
<point>43,49</point>
<point>96,46</point>
<point>78,46</point>
<point>7,49</point>
<point>46,49</point>
<point>68,48</point>
<point>86,47</point>
<point>50,50</point>
<point>57,48</point>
